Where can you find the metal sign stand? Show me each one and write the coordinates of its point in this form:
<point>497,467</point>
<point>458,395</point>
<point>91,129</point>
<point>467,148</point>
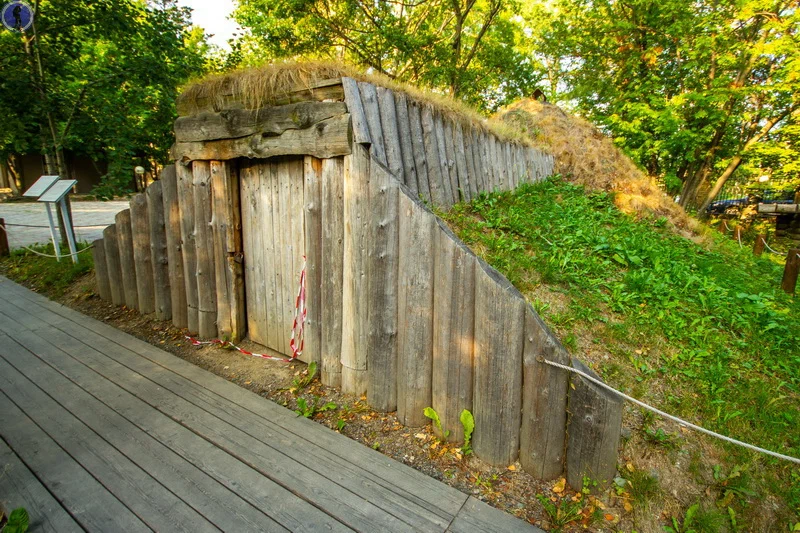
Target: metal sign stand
<point>38,189</point>
<point>57,194</point>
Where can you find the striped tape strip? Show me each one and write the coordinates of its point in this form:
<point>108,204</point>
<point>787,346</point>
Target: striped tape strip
<point>228,344</point>
<point>298,326</point>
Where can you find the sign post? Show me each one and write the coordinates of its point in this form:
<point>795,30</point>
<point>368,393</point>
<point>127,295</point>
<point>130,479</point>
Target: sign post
<point>57,194</point>
<point>36,190</point>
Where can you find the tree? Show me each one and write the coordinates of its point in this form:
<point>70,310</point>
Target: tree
<point>98,78</point>
<point>687,89</point>
<point>463,47</point>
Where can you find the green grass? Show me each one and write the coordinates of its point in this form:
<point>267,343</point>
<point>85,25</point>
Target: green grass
<point>45,274</point>
<point>702,331</point>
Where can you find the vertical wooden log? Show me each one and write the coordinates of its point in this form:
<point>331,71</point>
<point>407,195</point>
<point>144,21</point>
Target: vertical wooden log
<point>391,133</point>
<point>332,258</point>
<point>544,401</point>
<point>406,144</point>
<point>126,260</point>
<point>254,218</point>
<point>188,243</point>
<point>382,272</point>
<point>204,241</point>
<point>415,312</point>
<point>758,246</point>
<point>312,175</point>
<point>369,99</point>
<point>722,227</point>
<point>472,167</point>
<point>461,164</point>
<point>272,270</point>
<point>283,240</point>
<point>140,228</point>
<point>451,152</point>
<point>352,98</point>
<point>450,193</point>
<point>497,395</point>
<point>228,251</point>
<point>297,245</point>
<point>789,281</point>
<point>508,164</point>
<point>418,145</point>
<point>5,251</point>
<point>482,164</point>
<point>101,270</point>
<point>593,431</point>
<point>355,291</point>
<point>112,264</point>
<point>435,176</point>
<point>493,162</point>
<point>172,225</point>
<point>453,330</point>
<point>158,251</point>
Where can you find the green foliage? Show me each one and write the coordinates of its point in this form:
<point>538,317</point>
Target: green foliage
<point>698,519</point>
<point>642,486</point>
<point>468,422</point>
<point>562,513</point>
<point>106,89</point>
<point>712,323</point>
<point>304,379</point>
<point>466,48</point>
<point>431,413</point>
<point>683,87</point>
<point>308,409</point>
<point>18,521</point>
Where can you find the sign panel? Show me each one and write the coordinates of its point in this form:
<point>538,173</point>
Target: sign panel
<point>41,185</point>
<point>58,191</point>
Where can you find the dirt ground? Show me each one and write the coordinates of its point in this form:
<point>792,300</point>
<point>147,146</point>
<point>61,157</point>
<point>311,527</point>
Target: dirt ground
<point>550,505</point>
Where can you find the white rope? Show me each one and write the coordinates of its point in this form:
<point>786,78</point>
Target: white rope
<point>666,415</point>
<point>771,250</point>
<point>31,250</point>
<point>726,225</point>
<point>739,236</point>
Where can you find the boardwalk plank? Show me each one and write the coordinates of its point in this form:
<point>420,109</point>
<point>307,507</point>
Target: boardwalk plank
<point>20,488</point>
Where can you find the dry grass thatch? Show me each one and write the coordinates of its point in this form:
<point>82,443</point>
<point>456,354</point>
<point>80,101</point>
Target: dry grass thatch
<point>584,155</point>
<point>257,87</point>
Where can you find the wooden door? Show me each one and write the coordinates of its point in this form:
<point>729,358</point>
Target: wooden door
<point>273,236</point>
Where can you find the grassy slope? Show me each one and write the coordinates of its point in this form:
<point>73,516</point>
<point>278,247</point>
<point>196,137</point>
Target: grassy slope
<point>702,332</point>
<point>45,274</point>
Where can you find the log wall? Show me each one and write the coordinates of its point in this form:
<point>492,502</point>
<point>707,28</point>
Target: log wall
<point>399,308</point>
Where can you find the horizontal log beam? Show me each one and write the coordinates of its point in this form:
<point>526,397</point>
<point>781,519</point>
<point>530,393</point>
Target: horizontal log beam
<point>329,138</point>
<point>234,123</point>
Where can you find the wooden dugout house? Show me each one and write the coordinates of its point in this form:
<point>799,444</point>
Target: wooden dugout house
<point>340,171</point>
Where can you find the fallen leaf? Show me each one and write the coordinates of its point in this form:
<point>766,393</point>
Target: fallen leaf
<point>609,517</point>
<point>421,436</point>
<point>558,488</point>
<point>630,467</point>
<point>628,507</point>
<point>247,382</point>
<point>512,468</point>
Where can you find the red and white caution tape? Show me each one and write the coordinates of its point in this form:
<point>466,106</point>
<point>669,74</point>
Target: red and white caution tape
<point>226,344</point>
<point>298,339</point>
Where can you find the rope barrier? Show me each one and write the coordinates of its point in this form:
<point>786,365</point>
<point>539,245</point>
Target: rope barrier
<point>669,416</point>
<point>31,250</point>
<point>48,227</point>
<point>229,344</point>
<point>726,225</point>
<point>771,250</point>
<point>739,236</point>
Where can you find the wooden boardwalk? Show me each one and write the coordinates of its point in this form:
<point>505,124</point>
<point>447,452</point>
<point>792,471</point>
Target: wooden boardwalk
<point>100,431</point>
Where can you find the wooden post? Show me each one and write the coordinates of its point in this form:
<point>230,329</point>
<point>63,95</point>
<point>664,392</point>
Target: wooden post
<point>445,149</point>
<point>101,270</point>
<point>722,227</point>
<point>391,131</point>
<point>406,143</point>
<point>188,244</point>
<point>789,281</point>
<point>369,99</point>
<point>352,98</point>
<point>112,263</point>
<point>418,150</point>
<point>172,226</point>
<point>312,175</point>
<point>464,178</point>
<point>140,228</point>
<point>332,256</point>
<point>453,330</point>
<point>544,401</point>
<point>204,240</point>
<point>226,236</point>
<point>382,272</point>
<point>355,291</point>
<point>758,246</point>
<point>126,258</point>
<point>415,311</point>
<point>593,431</point>
<point>5,251</point>
<point>158,251</point>
<point>497,394</point>
<point>432,159</point>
